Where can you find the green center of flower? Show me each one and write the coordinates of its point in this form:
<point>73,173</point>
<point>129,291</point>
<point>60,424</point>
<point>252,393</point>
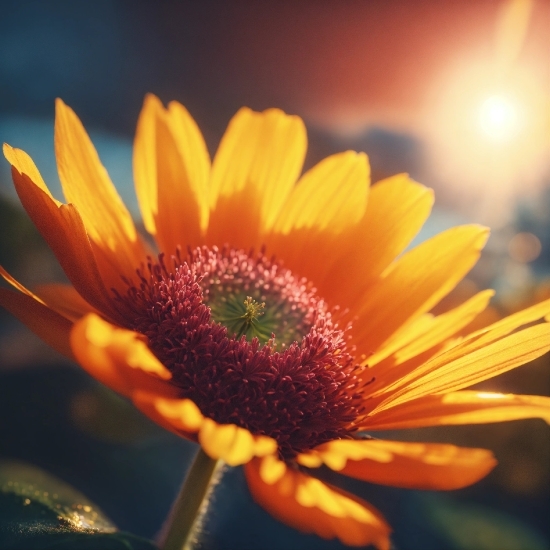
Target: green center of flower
<point>263,316</point>
<point>241,317</point>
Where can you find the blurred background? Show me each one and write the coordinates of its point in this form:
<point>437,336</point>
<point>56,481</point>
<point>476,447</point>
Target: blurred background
<point>456,93</point>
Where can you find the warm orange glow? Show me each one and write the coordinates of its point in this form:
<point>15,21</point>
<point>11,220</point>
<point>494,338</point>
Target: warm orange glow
<point>488,135</point>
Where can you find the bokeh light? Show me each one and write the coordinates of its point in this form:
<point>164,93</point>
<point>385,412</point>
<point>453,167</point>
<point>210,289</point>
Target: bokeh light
<point>524,247</point>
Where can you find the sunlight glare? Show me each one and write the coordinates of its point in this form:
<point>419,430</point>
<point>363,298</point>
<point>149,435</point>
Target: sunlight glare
<point>498,117</point>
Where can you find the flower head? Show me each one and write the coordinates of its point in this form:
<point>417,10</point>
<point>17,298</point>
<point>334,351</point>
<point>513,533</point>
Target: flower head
<point>279,318</point>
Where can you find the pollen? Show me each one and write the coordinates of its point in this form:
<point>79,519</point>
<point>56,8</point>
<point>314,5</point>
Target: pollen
<point>250,343</point>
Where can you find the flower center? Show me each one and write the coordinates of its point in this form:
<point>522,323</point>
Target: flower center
<point>249,343</point>
<point>241,317</point>
<point>254,297</point>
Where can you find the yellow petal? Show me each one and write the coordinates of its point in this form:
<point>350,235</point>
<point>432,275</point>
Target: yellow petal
<point>312,506</point>
<point>257,163</point>
<point>443,374</point>
<point>463,407</point>
<point>183,414</point>
<point>180,416</point>
<point>87,185</point>
<point>317,219</point>
<point>63,229</point>
<point>63,299</point>
<point>331,196</point>
<point>390,376</point>
<point>415,283</point>
<point>407,333</point>
<point>118,358</point>
<point>509,324</point>
<point>144,161</point>
<point>232,444</point>
<point>410,465</point>
<point>396,210</point>
<point>180,197</point>
<point>427,331</point>
<point>446,325</point>
<point>25,165</point>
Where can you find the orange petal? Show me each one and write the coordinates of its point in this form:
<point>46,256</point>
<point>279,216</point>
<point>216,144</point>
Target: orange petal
<point>391,376</point>
<point>65,300</point>
<point>255,168</point>
<point>47,324</point>
<point>316,220</point>
<point>509,324</point>
<point>410,465</point>
<point>144,161</point>
<point>118,358</point>
<point>231,443</point>
<point>182,176</point>
<point>463,407</point>
<point>396,210</point>
<point>415,283</point>
<point>312,506</point>
<point>445,325</point>
<point>62,228</point>
<point>342,266</point>
<point>454,370</point>
<point>331,196</point>
<point>179,416</point>
<point>87,185</point>
<point>406,334</point>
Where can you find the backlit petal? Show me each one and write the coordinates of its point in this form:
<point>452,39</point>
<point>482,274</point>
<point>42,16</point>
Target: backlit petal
<point>445,325</point>
<point>396,209</point>
<point>62,228</point>
<point>232,444</point>
<point>181,177</point>
<point>144,161</point>
<point>118,358</point>
<point>47,324</point>
<point>87,185</point>
<point>312,506</point>
<point>473,364</point>
<point>343,265</point>
<point>410,465</point>
<point>180,416</point>
<point>415,283</point>
<point>463,407</point>
<point>319,216</point>
<point>257,163</point>
<point>331,196</point>
<point>65,300</point>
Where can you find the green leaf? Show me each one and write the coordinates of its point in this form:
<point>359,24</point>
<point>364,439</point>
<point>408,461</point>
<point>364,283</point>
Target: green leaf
<point>38,512</point>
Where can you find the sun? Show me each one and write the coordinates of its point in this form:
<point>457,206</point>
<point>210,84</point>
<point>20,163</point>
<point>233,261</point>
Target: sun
<point>499,118</point>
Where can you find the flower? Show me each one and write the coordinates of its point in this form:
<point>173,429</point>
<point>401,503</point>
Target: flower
<point>280,321</point>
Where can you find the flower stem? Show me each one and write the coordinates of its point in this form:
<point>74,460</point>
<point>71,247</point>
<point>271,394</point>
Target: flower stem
<point>183,526</point>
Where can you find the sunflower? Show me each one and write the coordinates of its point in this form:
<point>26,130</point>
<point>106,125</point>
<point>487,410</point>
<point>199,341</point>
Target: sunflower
<point>280,319</point>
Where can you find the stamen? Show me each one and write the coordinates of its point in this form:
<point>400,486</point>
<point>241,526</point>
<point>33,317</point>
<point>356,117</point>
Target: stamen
<point>245,324</point>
